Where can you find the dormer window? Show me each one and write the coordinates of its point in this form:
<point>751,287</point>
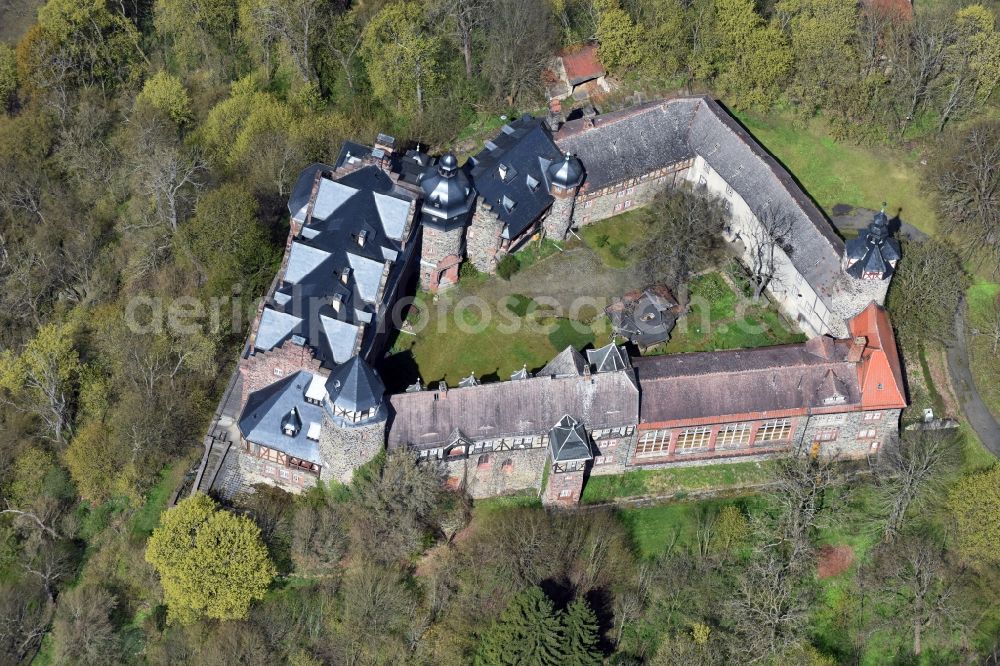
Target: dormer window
<point>291,424</point>
<point>502,168</point>
<point>345,273</point>
<point>508,203</point>
<point>336,301</point>
<point>532,183</point>
<point>361,237</point>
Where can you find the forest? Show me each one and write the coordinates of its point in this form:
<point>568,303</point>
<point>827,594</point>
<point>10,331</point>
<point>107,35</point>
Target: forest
<point>147,149</point>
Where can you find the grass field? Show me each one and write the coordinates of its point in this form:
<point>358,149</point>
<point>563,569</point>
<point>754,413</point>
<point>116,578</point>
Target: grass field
<point>981,297</point>
<point>678,480</point>
<point>835,172</point>
<point>614,239</point>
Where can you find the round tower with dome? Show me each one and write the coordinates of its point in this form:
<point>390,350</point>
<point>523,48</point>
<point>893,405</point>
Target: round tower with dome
<point>448,200</point>
<point>565,177</point>
<point>355,419</point>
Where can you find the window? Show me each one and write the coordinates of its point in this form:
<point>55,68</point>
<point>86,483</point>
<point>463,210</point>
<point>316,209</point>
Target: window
<point>870,433</point>
<point>653,442</point>
<point>773,431</point>
<point>628,203</point>
<point>484,461</point>
<point>873,416</point>
<point>589,204</point>
<point>566,493</point>
<point>733,436</point>
<point>620,194</point>
<point>702,181</point>
<point>692,439</point>
<point>284,473</point>
<point>828,435</point>
<point>507,466</point>
<point>729,191</point>
<point>630,190</point>
<point>603,460</point>
<point>278,372</point>
<point>618,207</point>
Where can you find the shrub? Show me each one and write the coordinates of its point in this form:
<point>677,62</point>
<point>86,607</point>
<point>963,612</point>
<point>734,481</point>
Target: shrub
<point>508,266</point>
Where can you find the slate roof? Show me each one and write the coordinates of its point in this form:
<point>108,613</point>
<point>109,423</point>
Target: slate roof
<point>625,144</point>
<point>628,143</point>
<point>568,441</point>
<point>873,251</point>
<point>448,194</point>
<point>568,362</point>
<point>268,409</point>
<point>355,386</point>
<point>646,317</point>
<point>364,203</point>
<point>525,150</point>
<point>767,379</point>
<point>609,358</point>
<point>529,406</point>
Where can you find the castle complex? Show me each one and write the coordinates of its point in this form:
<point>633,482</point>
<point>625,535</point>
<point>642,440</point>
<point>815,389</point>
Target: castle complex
<point>363,228</point>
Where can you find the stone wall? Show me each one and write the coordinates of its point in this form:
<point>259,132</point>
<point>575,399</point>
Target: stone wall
<point>343,449</point>
<point>618,449</point>
<point>851,434</point>
<point>439,251</point>
<point>484,237</point>
<point>564,488</point>
<point>256,470</point>
<point>626,195</point>
<point>560,216</point>
<point>264,368</point>
<point>497,473</point>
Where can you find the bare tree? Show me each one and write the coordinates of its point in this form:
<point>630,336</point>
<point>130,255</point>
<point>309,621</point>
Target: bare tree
<point>920,57</point>
<point>803,482</point>
<point>990,325</point>
<point>83,632</point>
<point>519,41</point>
<point>468,15</point>
<point>24,618</point>
<point>917,584</point>
<point>967,180</point>
<point>767,238</point>
<point>909,468</point>
<point>682,237</point>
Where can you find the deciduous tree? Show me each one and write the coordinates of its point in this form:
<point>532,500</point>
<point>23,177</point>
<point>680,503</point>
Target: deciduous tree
<point>211,563</point>
<point>401,58</point>
<point>908,469</point>
<point>974,503</point>
<point>925,291</point>
<point>83,631</point>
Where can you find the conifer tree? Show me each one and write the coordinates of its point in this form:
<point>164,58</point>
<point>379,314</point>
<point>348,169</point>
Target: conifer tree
<point>580,631</point>
<point>528,633</point>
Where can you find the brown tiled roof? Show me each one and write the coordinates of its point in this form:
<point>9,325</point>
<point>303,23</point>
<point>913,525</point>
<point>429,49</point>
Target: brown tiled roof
<point>879,373</point>
<point>532,406</point>
<point>768,379</point>
<point>582,65</point>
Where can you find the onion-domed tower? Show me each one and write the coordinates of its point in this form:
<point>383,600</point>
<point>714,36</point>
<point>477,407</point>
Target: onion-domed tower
<point>565,177</point>
<point>447,205</point>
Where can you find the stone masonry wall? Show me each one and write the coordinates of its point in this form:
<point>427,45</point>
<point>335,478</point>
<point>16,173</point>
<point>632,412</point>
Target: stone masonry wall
<point>436,247</point>
<point>257,470</point>
<point>344,449</point>
<point>484,239</point>
<point>264,368</point>
<point>501,473</point>
<point>618,449</point>
<point>633,193</point>
<point>560,216</point>
<point>854,434</point>
<point>564,489</point>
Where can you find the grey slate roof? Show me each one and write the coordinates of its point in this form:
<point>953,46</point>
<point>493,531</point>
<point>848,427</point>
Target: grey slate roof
<point>568,362</point>
<point>766,379</point>
<point>355,386</point>
<point>513,408</point>
<point>268,409</point>
<point>525,149</point>
<point>364,203</point>
<point>567,172</point>
<point>608,358</point>
<point>873,251</point>
<point>645,317</point>
<point>626,144</point>
<point>448,194</point>
<point>568,441</point>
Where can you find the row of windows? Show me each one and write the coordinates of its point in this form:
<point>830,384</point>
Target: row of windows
<point>734,436</point>
<point>352,416</point>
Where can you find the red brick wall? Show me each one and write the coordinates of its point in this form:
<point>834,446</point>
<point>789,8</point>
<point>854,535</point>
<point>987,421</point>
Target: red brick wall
<point>264,368</point>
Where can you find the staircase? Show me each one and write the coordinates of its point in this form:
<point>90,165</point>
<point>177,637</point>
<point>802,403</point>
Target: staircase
<point>217,445</point>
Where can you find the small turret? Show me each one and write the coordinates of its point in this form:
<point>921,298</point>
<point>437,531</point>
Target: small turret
<point>355,394</point>
<point>448,202</point>
<point>565,176</point>
<point>873,255</point>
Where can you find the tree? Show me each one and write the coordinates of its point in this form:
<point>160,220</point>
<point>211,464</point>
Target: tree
<point>971,67</point>
<point>24,619</point>
<point>767,238</point>
<point>83,632</point>
<point>519,37</point>
<point>989,323</point>
<point>211,563</point>
<point>908,469</point>
<point>974,502</point>
<point>822,37</point>
<point>580,635</point>
<point>682,237</point>
<point>319,538</point>
<point>732,529</point>
<point>294,24</point>
<point>466,16</point>
<point>8,76</point>
<point>199,30</point>
<point>44,375</point>
<point>753,59</point>
<point>401,59</point>
<point>967,180</point>
<point>925,291</point>
<point>528,633</point>
<point>917,585</point>
<point>620,46</point>
<point>165,93</point>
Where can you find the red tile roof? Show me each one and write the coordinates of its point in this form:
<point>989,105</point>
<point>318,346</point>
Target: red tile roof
<point>582,65</point>
<point>880,374</point>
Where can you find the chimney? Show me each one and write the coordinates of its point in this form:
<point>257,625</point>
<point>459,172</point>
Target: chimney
<point>385,143</point>
<point>442,388</point>
<point>555,119</point>
<point>857,349</point>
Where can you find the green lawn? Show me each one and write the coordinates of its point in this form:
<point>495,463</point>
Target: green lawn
<point>719,318</point>
<point>614,239</point>
<point>678,480</point>
<point>835,172</point>
<point>985,364</point>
